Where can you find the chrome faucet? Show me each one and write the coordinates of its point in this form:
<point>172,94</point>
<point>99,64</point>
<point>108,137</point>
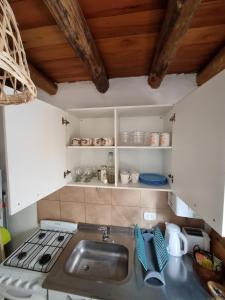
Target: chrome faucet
<point>105,232</point>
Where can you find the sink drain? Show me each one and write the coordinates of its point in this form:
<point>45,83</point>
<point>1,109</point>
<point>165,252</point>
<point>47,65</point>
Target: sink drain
<point>85,268</point>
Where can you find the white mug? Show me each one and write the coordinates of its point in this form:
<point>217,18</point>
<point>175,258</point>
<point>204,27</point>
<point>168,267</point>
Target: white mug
<point>86,141</point>
<point>97,141</point>
<point>107,141</point>
<point>125,177</point>
<point>76,141</point>
<point>134,177</point>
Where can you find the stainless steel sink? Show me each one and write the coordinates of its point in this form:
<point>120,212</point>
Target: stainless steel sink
<point>98,261</point>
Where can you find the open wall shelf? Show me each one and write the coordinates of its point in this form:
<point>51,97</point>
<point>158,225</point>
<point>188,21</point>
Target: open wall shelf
<point>109,122</point>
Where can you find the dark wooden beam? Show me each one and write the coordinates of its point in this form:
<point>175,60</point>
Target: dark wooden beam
<point>70,19</point>
<point>216,65</point>
<point>42,81</point>
<point>176,23</point>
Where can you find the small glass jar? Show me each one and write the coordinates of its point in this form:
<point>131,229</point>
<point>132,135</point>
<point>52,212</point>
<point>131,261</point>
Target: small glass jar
<point>77,174</point>
<point>137,138</point>
<point>124,138</point>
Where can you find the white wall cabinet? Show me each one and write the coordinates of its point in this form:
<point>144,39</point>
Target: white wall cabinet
<point>198,162</point>
<point>35,152</point>
<point>38,148</point>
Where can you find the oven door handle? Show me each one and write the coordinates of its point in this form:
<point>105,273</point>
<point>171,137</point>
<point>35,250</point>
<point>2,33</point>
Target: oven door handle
<point>12,294</point>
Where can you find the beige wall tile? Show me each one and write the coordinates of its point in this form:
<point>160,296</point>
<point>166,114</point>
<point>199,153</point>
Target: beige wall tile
<point>154,199</point>
<point>166,215</point>
<point>72,212</point>
<point>126,197</point>
<point>99,196</point>
<point>53,196</point>
<point>48,209</point>
<point>72,194</point>
<point>125,216</point>
<point>162,216</point>
<point>128,207</point>
<point>98,214</point>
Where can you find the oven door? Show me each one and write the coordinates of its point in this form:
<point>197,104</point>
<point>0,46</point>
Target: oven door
<point>13,293</point>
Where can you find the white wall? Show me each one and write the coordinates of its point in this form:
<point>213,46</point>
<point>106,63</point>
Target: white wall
<point>22,225</point>
<point>122,91</point>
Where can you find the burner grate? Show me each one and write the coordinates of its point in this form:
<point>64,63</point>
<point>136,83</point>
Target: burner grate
<point>40,252</point>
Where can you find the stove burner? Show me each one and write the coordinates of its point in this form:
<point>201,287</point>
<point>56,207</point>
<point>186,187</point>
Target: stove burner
<point>44,259</point>
<point>60,238</point>
<point>41,235</point>
<point>21,255</point>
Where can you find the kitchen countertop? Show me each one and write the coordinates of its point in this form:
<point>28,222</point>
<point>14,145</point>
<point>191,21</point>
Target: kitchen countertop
<point>181,281</point>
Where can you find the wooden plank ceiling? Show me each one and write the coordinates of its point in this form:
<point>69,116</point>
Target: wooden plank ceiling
<point>125,32</point>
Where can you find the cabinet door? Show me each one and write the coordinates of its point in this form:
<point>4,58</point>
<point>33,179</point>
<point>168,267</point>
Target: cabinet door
<point>35,152</point>
<point>198,161</point>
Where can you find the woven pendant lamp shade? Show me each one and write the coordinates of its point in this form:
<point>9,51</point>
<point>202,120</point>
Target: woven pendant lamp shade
<point>14,71</point>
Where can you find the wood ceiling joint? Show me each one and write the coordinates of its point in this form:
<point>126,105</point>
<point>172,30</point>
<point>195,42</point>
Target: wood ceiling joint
<point>70,19</point>
<point>176,23</point>
<point>216,65</point>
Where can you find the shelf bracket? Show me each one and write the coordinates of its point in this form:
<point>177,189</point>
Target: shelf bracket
<point>171,177</point>
<point>65,122</point>
<point>173,118</point>
<point>66,173</point>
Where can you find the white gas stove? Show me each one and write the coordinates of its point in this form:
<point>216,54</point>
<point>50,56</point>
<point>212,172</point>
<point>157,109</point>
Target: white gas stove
<point>23,272</point>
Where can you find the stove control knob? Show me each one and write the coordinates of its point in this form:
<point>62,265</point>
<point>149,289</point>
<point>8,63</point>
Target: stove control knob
<point>35,285</point>
<point>25,285</point>
<point>17,282</point>
<point>7,281</point>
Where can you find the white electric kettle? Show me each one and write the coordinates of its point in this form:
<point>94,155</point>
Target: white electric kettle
<point>177,244</point>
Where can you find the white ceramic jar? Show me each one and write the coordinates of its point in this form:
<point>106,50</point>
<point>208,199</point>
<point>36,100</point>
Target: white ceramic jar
<point>154,139</point>
<point>164,140</point>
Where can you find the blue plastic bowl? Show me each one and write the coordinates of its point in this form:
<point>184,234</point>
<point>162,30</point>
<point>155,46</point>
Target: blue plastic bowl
<point>152,179</point>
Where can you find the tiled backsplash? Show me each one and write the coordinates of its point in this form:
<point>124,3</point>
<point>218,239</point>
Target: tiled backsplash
<point>109,206</point>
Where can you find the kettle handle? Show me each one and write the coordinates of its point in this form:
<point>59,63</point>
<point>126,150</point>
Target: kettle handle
<point>184,239</point>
